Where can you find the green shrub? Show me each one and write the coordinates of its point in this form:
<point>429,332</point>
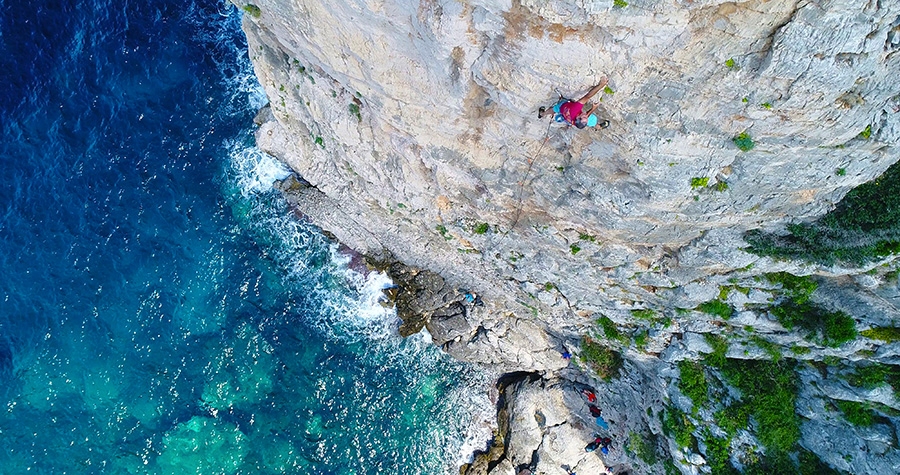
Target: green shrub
<point>729,63</point>
<point>643,449</point>
<point>866,133</point>
<point>354,110</point>
<point>643,314</point>
<point>603,360</point>
<point>797,288</point>
<point>699,182</point>
<point>811,464</point>
<point>770,348</point>
<point>892,276</point>
<point>678,425</point>
<point>771,463</point>
<point>574,248</point>
<point>864,226</point>
<point>873,375</point>
<point>640,339</point>
<point>610,330</point>
<point>838,328</point>
<point>718,454</point>
<point>721,186</point>
<point>886,334</point>
<point>719,348</point>
<point>252,10</point>
<point>620,3</point>
<point>481,228</point>
<point>716,307</point>
<point>828,328</point>
<point>856,413</point>
<point>782,463</point>
<point>744,142</point>
<point>733,418</point>
<point>800,350</point>
<point>769,389</point>
<point>693,382</point>
<point>840,171</point>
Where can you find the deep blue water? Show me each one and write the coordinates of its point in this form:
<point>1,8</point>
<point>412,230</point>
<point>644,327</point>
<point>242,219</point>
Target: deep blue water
<point>161,310</point>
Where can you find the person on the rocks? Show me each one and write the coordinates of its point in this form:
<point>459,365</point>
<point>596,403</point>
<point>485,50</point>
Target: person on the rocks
<point>589,395</point>
<point>595,411</point>
<point>604,445</point>
<point>574,113</point>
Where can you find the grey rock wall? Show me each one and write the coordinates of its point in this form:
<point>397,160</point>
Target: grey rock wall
<point>415,125</point>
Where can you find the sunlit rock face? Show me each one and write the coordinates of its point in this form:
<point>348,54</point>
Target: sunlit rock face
<point>415,123</point>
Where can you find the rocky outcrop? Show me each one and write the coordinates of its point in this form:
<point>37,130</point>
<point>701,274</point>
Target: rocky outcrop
<point>413,126</point>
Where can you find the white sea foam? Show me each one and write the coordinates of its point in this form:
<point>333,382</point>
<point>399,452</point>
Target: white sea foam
<point>255,170</point>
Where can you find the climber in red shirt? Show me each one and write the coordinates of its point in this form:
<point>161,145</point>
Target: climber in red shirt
<point>574,113</point>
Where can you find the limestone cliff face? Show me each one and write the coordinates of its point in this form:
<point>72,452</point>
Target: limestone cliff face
<point>415,125</point>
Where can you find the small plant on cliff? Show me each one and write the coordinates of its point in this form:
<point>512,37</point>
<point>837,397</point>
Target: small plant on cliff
<point>721,186</point>
<point>643,314</point>
<point>856,413</point>
<point>587,237</point>
<point>795,287</point>
<point>719,346</point>
<point>574,248</point>
<point>729,63</point>
<point>767,346</point>
<point>830,328</point>
<point>766,105</point>
<point>252,10</point>
<point>743,141</point>
<point>693,383</point>
<point>640,339</point>
<point>610,330</point>
<point>885,334</point>
<point>601,359</point>
<point>620,3</point>
<point>644,450</point>
<point>481,228</point>
<point>874,375</point>
<point>443,230</point>
<point>716,307</point>
<point>354,110</point>
<point>866,133</point>
<point>718,454</point>
<point>699,182</point>
<point>678,425</point>
<point>840,171</point>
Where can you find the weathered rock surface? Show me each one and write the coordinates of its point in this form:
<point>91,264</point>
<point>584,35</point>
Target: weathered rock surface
<point>413,127</point>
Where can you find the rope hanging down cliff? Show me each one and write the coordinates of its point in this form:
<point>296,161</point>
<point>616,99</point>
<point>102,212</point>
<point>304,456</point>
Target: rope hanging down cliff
<point>572,113</point>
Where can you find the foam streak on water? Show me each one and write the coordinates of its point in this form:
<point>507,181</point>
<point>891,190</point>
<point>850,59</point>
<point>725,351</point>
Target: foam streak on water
<point>161,309</point>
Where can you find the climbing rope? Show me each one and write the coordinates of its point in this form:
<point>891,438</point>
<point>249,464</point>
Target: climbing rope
<point>528,172</point>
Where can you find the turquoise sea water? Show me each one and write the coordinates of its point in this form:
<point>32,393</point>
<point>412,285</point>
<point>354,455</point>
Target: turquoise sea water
<point>161,310</point>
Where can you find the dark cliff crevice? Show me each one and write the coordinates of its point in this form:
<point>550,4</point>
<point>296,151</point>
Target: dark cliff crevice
<point>485,461</point>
